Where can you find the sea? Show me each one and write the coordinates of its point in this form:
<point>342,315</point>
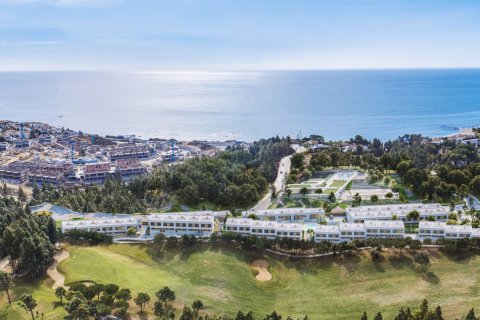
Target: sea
<point>247,105</point>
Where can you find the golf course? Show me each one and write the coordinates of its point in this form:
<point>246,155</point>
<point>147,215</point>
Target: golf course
<point>224,280</point>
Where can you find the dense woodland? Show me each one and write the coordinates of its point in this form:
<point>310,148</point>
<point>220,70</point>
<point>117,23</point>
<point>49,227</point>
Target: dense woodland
<point>234,178</point>
<point>27,239</point>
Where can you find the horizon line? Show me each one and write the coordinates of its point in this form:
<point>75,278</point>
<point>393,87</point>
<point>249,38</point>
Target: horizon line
<point>243,70</point>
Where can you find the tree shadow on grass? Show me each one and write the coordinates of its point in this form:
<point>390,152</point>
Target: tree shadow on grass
<point>400,261</point>
<point>430,277</point>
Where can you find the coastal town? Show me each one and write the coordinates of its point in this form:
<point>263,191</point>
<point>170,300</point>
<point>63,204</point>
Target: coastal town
<point>37,153</point>
<point>318,200</point>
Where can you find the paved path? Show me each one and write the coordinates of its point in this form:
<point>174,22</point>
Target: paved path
<point>52,271</point>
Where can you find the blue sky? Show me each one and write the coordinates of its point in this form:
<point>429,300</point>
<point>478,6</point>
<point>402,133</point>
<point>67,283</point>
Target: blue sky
<point>237,34</point>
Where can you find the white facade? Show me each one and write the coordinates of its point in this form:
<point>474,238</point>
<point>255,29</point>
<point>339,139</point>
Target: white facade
<point>239,225</point>
<point>352,231</point>
<point>111,227</point>
<point>345,232</point>
<point>386,212</point>
<point>181,224</point>
<point>287,214</point>
<point>435,230</point>
<point>329,233</point>
<point>290,230</point>
<point>264,228</point>
<point>431,229</point>
<point>384,229</point>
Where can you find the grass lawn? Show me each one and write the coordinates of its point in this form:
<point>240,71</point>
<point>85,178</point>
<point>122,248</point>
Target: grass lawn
<point>339,288</point>
<point>337,183</point>
<point>43,294</point>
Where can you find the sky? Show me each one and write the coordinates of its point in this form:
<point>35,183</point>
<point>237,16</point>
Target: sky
<point>155,35</point>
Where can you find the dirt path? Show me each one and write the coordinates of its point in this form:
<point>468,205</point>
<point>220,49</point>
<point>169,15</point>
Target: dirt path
<point>52,271</point>
<point>261,266</point>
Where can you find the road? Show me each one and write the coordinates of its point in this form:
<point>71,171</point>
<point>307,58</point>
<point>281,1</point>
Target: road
<point>279,184</point>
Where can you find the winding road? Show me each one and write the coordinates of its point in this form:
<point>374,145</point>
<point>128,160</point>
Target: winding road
<point>279,184</point>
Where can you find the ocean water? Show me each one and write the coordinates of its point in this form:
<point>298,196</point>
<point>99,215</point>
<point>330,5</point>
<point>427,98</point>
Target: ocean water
<point>247,105</point>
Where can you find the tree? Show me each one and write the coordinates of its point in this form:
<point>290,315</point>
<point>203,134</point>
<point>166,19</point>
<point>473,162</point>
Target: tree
<point>141,300</point>
<point>374,198</point>
<point>197,305</point>
<point>111,289</point>
<point>288,192</point>
<point>60,293</point>
<point>22,196</point>
<point>28,303</point>
<point>103,310</point>
<point>331,197</point>
<point>413,215</point>
<point>297,160</point>
<point>422,258</point>
<point>415,245</point>
<point>123,294</point>
<point>4,190</point>
<point>165,294</point>
<point>304,191</point>
<point>158,309</point>
<point>471,315</point>
<point>376,256</point>
<point>6,283</point>
<point>357,199</point>
<point>273,316</point>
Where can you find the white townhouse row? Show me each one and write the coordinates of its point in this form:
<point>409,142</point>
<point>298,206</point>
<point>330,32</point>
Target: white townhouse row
<point>435,230</point>
<point>181,224</point>
<point>345,232</point>
<point>264,228</point>
<point>112,227</point>
<point>215,214</point>
<point>200,224</point>
<point>287,214</point>
<point>387,212</point>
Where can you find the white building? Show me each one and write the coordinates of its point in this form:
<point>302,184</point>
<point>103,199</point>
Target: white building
<point>435,230</point>
<point>431,229</point>
<point>384,229</point>
<point>345,232</point>
<point>239,225</point>
<point>386,212</point>
<point>111,227</point>
<point>352,231</point>
<point>329,233</point>
<point>287,214</point>
<point>290,230</point>
<point>264,228</point>
<point>181,224</point>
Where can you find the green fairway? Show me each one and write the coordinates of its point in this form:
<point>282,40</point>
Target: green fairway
<point>340,288</point>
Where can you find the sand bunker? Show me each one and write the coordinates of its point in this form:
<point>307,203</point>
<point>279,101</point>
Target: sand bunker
<point>52,271</point>
<point>261,266</point>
